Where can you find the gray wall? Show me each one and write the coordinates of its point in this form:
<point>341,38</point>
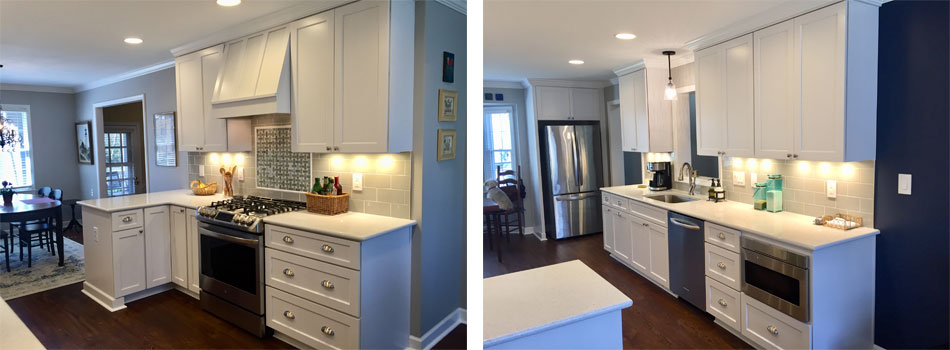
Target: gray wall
<point>159,91</point>
<point>52,117</point>
<point>438,187</point>
<point>517,98</point>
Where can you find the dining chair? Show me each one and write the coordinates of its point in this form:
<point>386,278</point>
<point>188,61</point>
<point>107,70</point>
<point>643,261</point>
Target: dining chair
<point>7,239</point>
<point>512,184</point>
<point>44,191</point>
<point>36,234</point>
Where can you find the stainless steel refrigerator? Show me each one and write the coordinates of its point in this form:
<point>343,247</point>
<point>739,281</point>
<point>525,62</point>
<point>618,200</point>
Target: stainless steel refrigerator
<point>571,164</point>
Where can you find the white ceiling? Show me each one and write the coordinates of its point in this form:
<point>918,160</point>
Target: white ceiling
<point>72,43</point>
<point>535,39</point>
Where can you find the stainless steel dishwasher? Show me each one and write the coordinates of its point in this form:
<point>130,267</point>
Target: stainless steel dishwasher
<point>687,267</point>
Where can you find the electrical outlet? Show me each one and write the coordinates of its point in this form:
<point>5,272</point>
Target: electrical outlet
<point>903,184</point>
<point>240,174</point>
<point>738,178</point>
<point>754,177</point>
<point>201,170</point>
<point>95,233</point>
<point>357,181</point>
<point>832,189</point>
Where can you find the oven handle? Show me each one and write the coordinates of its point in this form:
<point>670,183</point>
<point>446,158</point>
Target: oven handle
<point>229,238</point>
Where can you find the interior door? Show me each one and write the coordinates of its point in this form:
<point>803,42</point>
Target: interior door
<point>123,176</point>
<point>311,47</point>
<point>774,95</point>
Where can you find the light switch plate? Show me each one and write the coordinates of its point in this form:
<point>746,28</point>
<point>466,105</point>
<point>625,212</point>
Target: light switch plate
<point>357,181</point>
<point>240,174</point>
<point>832,189</point>
<point>754,177</point>
<point>738,178</point>
<point>201,170</point>
<point>903,184</point>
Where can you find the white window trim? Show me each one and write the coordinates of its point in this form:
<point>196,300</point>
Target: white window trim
<point>487,137</point>
<point>29,129</point>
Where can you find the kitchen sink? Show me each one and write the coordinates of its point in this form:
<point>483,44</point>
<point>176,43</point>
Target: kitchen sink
<point>671,198</point>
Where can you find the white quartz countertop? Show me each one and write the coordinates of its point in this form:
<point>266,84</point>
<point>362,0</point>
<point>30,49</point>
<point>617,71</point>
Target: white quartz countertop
<point>527,302</point>
<point>350,225</point>
<point>13,333</point>
<point>785,227</point>
<point>183,198</point>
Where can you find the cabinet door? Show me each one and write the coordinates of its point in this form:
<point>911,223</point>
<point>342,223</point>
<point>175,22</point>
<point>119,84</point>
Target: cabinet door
<point>361,74</point>
<point>710,106</point>
<point>189,83</point>
<point>819,64</point>
<point>641,110</point>
<point>659,254</point>
<point>738,137</point>
<point>640,240</point>
<point>193,250</point>
<point>609,229</point>
<point>554,103</point>
<point>311,47</point>
<point>628,114</point>
<point>585,104</point>
<point>179,246</point>
<point>774,91</point>
<point>128,254</point>
<point>622,235</point>
<point>215,130</point>
<point>158,268</point>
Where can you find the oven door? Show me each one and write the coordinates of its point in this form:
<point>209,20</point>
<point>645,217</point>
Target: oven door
<point>778,284</point>
<point>231,266</point>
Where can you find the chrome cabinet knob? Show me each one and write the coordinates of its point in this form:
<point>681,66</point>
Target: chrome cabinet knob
<point>722,302</point>
<point>127,219</point>
<point>327,330</point>
<point>327,284</point>
<point>788,155</point>
<point>288,272</point>
<point>721,266</point>
<point>288,240</point>
<point>327,248</point>
<point>772,329</point>
<point>289,315</point>
<point>329,148</point>
<point>722,235</point>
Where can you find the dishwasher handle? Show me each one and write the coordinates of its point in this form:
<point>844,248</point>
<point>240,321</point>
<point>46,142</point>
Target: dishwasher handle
<point>689,226</point>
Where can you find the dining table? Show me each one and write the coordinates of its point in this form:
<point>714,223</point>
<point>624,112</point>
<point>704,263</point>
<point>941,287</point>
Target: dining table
<point>27,207</point>
<point>492,212</point>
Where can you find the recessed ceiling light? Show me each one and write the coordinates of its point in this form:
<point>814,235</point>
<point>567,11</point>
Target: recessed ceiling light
<point>625,36</point>
<point>229,3</point>
<point>576,62</point>
<point>133,41</point>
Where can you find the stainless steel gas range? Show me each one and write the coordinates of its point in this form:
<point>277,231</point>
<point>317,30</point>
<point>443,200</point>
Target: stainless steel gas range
<point>231,258</point>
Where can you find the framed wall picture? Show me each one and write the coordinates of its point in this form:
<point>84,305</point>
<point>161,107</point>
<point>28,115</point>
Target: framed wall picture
<point>448,105</point>
<point>166,145</point>
<point>447,139</point>
<point>84,142</point>
<point>448,67</point>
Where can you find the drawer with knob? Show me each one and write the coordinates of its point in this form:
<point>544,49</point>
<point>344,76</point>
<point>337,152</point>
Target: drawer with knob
<point>723,236</point>
<point>770,328</point>
<point>723,266</point>
<point>311,323</point>
<point>614,201</point>
<point>333,250</point>
<point>723,303</point>
<point>125,220</point>
<point>327,284</point>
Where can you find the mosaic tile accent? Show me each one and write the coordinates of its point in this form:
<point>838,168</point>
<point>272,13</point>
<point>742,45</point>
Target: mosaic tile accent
<point>277,167</point>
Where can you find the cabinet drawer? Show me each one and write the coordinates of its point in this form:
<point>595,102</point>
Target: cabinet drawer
<point>615,201</point>
<point>327,284</point>
<point>722,236</point>
<point>333,250</point>
<point>125,220</point>
<point>723,303</point>
<point>772,329</point>
<point>723,266</point>
<point>648,211</point>
<point>311,323</point>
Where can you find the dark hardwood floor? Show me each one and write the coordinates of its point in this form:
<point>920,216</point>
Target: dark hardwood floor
<point>656,319</point>
<point>66,318</point>
<point>456,339</point>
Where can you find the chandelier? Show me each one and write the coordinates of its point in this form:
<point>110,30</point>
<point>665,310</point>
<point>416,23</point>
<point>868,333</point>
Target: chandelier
<point>9,136</point>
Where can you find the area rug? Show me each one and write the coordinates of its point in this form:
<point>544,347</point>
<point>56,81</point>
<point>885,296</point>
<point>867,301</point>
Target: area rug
<point>45,274</point>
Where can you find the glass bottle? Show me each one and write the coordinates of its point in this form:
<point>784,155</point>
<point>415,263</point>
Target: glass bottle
<point>336,183</point>
<point>316,185</point>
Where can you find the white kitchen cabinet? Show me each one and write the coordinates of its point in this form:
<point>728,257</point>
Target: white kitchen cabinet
<point>178,235</point>
<point>659,254</point>
<point>770,328</point>
<point>195,76</point>
<point>623,234</point>
<point>645,118</point>
<point>128,253</point>
<point>193,250</point>
<point>311,47</point>
<point>774,91</point>
<point>640,242</point>
<point>724,99</point>
<point>157,240</point>
<point>568,103</point>
<point>609,228</point>
<point>586,104</point>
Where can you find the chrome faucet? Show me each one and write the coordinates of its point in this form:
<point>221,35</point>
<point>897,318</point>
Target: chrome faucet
<point>692,177</point>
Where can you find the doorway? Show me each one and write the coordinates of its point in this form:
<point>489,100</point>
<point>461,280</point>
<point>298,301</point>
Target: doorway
<point>124,146</point>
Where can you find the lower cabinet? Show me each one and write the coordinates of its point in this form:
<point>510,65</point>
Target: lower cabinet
<point>769,328</point>
<point>659,254</point>
<point>637,238</point>
<point>623,235</point>
<point>640,239</point>
<point>191,233</point>
<point>158,240</point>
<point>723,303</point>
<point>608,214</point>
<point>179,243</point>
<point>128,254</point>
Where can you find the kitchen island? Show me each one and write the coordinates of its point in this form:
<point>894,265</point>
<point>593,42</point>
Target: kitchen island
<point>565,305</point>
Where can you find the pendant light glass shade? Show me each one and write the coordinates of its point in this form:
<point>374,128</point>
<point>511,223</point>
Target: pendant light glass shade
<point>670,93</point>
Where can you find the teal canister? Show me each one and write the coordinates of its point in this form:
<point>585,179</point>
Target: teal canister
<point>774,182</point>
<point>759,199</point>
<point>773,201</point>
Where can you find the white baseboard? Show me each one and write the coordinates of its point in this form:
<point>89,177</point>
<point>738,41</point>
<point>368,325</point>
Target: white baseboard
<point>97,295</point>
<point>148,292</point>
<point>439,331</point>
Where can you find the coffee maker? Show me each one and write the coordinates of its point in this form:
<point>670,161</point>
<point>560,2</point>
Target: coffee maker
<point>662,175</point>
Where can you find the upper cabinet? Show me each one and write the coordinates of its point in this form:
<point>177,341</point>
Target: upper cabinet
<point>195,76</point>
<point>774,88</point>
<point>352,78</point>
<point>724,99</point>
<point>645,118</point>
<point>256,76</point>
<point>568,103</point>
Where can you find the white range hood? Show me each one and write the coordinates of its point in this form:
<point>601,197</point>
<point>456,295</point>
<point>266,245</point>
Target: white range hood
<point>255,78</point>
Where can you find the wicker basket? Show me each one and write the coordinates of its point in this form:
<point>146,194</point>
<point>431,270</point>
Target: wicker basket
<point>850,221</point>
<point>201,189</point>
<point>328,204</point>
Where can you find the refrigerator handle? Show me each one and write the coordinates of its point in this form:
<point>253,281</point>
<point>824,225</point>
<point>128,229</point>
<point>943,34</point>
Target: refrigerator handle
<point>577,177</point>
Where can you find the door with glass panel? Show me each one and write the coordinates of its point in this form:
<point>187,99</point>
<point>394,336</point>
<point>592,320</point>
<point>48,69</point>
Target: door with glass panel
<point>121,178</point>
<point>499,140</point>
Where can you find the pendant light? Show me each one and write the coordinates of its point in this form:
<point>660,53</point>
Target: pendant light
<point>670,93</point>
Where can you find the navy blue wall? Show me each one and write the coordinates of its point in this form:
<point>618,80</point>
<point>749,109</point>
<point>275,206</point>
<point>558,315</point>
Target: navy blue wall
<point>913,250</point>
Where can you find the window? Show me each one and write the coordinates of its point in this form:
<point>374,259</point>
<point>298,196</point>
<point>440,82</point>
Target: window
<point>16,166</point>
<point>120,171</point>
<point>499,140</point>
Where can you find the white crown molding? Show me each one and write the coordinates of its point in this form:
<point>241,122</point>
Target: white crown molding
<point>681,59</point>
<point>593,84</point>
<point>258,24</point>
<point>615,81</point>
<point>785,11</point>
<point>457,5</point>
<point>489,84</point>
<point>125,76</point>
<point>624,70</point>
<point>876,3</point>
<point>37,88</point>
